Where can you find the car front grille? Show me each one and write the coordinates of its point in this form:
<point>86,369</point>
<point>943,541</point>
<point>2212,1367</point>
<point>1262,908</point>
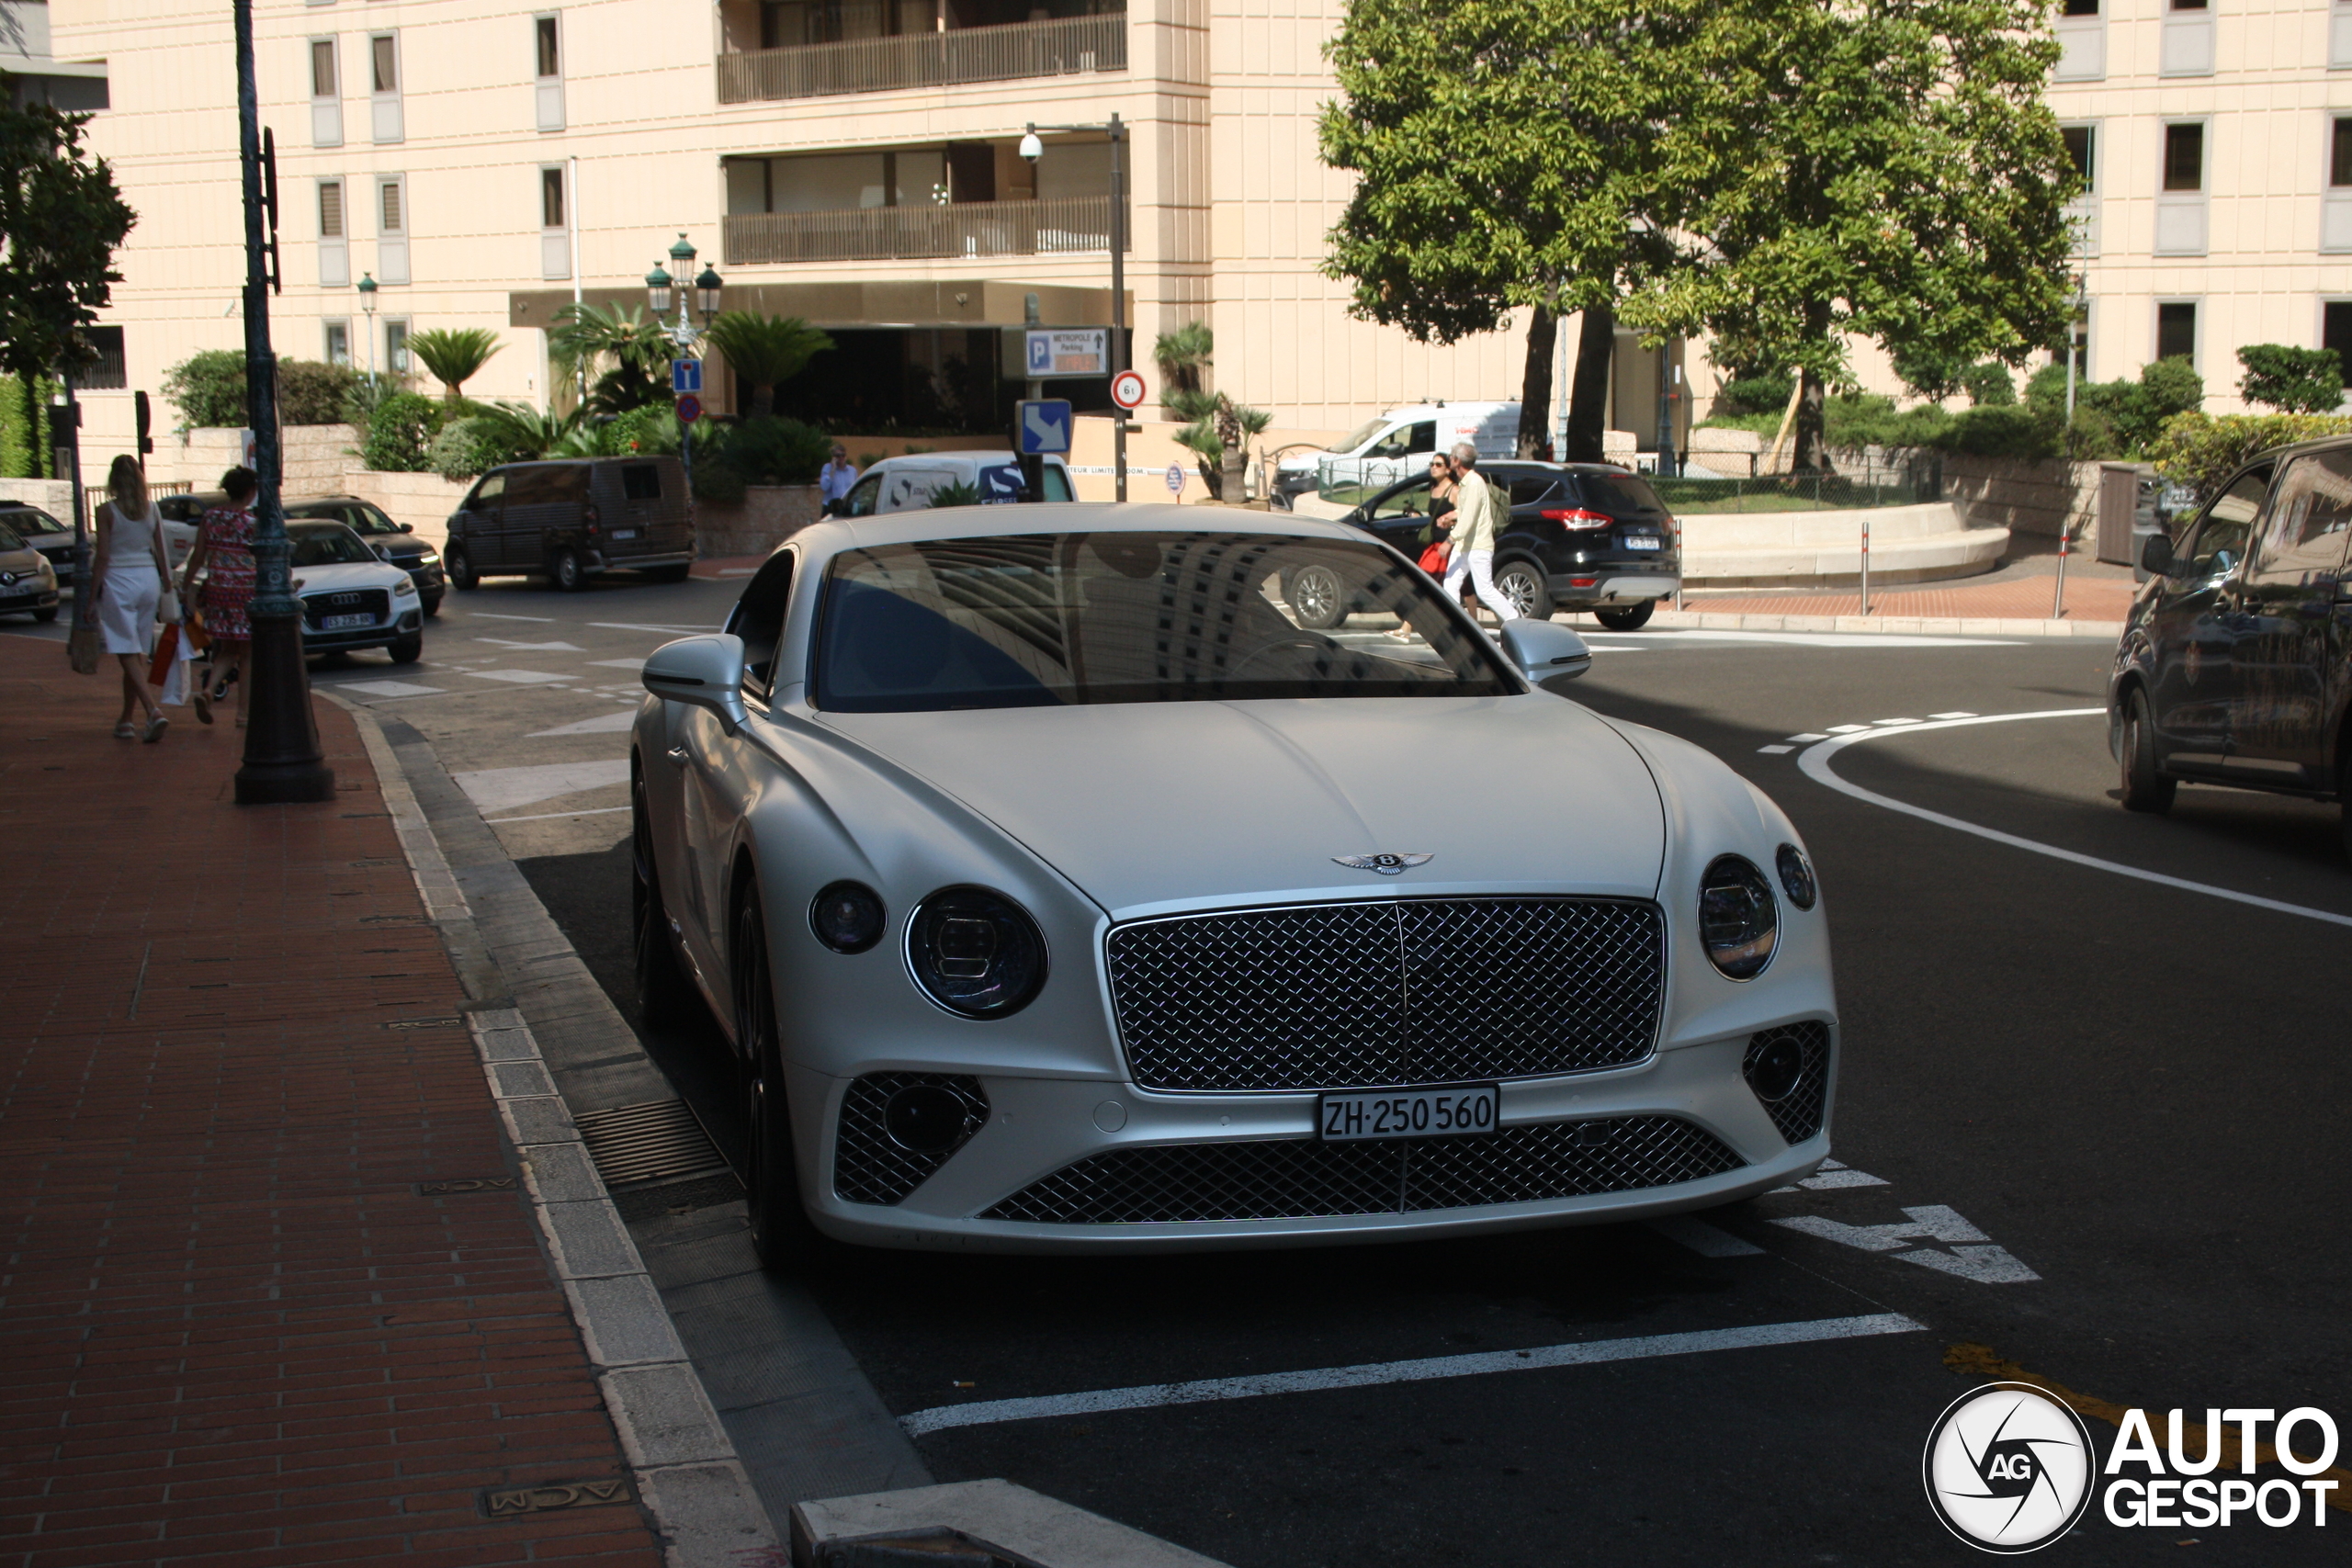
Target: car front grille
<point>1798,1113</point>
<point>1306,1178</point>
<point>870,1166</point>
<point>316,607</point>
<point>1385,992</point>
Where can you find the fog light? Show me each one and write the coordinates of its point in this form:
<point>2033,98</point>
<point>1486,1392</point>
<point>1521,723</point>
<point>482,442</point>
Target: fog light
<point>847,917</point>
<point>1774,1067</point>
<point>923,1119</point>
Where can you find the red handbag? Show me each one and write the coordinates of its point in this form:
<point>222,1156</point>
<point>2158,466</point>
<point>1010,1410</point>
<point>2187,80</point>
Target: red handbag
<point>1434,559</point>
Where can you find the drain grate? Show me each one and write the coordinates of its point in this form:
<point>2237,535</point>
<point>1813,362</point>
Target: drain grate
<point>657,1141</point>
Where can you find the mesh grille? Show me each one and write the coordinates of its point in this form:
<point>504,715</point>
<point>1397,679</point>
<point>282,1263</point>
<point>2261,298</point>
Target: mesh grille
<point>1798,1114</point>
<point>869,1166</point>
<point>1301,1178</point>
<point>1399,991</point>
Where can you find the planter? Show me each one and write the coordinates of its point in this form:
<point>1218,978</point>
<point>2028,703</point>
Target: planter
<point>765,518</point>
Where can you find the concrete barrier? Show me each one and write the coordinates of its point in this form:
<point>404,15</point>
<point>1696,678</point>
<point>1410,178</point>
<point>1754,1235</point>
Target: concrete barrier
<point>1908,544</point>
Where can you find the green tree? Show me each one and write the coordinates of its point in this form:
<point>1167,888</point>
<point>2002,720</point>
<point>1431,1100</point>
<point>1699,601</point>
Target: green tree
<point>1888,172</point>
<point>1181,355</point>
<point>764,352</point>
<point>61,219</point>
<point>624,355</point>
<point>2293,380</point>
<point>453,355</point>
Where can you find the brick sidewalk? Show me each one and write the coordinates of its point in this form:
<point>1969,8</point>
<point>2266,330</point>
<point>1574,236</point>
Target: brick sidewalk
<point>2025,598</point>
<point>233,1332</point>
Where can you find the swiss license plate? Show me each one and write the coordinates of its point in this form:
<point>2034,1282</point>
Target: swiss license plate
<point>1641,544</point>
<point>624,534</point>
<point>344,623</point>
<point>1408,1113</point>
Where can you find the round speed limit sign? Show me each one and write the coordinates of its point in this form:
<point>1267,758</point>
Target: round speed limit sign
<point>1126,390</point>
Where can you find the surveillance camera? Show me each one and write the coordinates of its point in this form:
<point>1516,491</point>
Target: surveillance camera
<point>1031,147</point>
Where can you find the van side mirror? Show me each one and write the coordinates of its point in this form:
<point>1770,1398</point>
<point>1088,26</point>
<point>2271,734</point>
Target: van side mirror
<point>408,527</point>
<point>2156,556</point>
<point>701,672</point>
<point>1543,651</point>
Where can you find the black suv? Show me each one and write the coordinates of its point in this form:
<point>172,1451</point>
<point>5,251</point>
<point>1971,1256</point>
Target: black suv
<point>1581,536</point>
<point>2235,663</point>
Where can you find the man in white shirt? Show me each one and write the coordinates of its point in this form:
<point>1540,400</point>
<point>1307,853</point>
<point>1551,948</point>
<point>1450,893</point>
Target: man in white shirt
<point>835,478</point>
<point>1479,516</point>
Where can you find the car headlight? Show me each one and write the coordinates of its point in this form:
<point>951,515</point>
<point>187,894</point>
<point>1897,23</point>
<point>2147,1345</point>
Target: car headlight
<point>407,585</point>
<point>1796,876</point>
<point>1737,917</point>
<point>847,917</point>
<point>975,952</point>
<point>430,558</point>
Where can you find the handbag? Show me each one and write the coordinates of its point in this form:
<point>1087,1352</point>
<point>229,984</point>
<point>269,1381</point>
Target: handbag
<point>167,649</point>
<point>82,647</point>
<point>1434,559</point>
<point>168,607</point>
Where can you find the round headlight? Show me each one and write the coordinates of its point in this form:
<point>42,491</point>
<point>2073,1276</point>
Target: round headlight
<point>1737,917</point>
<point>976,953</point>
<point>1796,877</point>
<point>847,917</point>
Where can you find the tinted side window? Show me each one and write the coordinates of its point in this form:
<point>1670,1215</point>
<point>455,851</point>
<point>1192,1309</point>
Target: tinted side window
<point>1397,443</point>
<point>490,491</point>
<point>542,487</point>
<point>2302,540</point>
<point>2229,522</point>
<point>1412,501</point>
<point>759,621</point>
<point>1057,484</point>
<point>640,482</point>
<point>1527,492</point>
<point>1620,495</point>
<point>860,500</point>
<point>1424,436</point>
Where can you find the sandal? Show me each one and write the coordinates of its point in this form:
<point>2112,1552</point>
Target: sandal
<point>203,700</point>
<point>156,727</point>
<point>125,731</point>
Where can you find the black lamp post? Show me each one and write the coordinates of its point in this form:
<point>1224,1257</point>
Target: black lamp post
<point>682,333</point>
<point>283,761</point>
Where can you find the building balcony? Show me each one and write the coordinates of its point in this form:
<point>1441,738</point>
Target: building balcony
<point>1070,225</point>
<point>1063,47</point>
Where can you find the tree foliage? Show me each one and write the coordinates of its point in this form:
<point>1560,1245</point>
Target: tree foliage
<point>60,220</point>
<point>2293,380</point>
<point>624,354</point>
<point>453,355</point>
<point>765,351</point>
<point>207,388</point>
<point>2199,450</point>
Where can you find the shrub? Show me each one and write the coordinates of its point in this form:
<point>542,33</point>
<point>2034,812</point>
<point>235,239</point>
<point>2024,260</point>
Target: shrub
<point>2295,380</point>
<point>2004,431</point>
<point>209,388</point>
<point>398,433</point>
<point>359,399</point>
<point>1865,419</point>
<point>2199,450</point>
<point>1754,395</point>
<point>465,446</point>
<point>777,451</point>
<point>2135,410</point>
<point>311,391</point>
<point>1989,384</point>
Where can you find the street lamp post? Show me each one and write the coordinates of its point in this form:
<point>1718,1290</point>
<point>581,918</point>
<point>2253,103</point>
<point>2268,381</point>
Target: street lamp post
<point>683,333</point>
<point>368,305</point>
<point>1032,149</point>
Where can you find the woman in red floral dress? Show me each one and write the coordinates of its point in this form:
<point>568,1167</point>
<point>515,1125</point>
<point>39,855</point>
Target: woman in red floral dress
<point>224,543</point>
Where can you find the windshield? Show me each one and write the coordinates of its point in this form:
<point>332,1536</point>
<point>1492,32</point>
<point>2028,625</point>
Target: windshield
<point>326,544</point>
<point>26,519</point>
<point>8,540</point>
<point>1360,433</point>
<point>1045,619</point>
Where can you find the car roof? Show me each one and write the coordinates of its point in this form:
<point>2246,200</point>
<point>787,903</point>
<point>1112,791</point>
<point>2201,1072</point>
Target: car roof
<point>831,535</point>
<point>973,455</point>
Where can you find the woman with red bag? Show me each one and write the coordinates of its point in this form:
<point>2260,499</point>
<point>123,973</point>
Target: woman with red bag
<point>225,545</point>
<point>1442,502</point>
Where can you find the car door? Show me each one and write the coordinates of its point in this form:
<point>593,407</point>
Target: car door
<point>1401,519</point>
<point>910,488</point>
<point>2291,620</point>
<point>479,521</point>
<point>2193,628</point>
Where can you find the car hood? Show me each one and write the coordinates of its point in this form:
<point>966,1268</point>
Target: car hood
<point>344,576</point>
<point>1160,805</point>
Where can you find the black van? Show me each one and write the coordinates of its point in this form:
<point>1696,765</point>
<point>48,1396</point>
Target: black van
<point>2235,665</point>
<point>567,521</point>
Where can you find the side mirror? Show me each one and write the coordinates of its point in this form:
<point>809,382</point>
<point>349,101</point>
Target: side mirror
<point>701,672</point>
<point>2155,555</point>
<point>408,527</point>
<point>1543,650</point>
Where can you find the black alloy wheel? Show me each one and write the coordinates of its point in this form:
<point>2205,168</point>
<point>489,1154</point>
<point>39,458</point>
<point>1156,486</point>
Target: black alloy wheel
<point>781,1233</point>
<point>664,994</point>
<point>1316,597</point>
<point>566,571</point>
<point>1628,617</point>
<point>1527,588</point>
<point>2145,789</point>
<point>460,567</point>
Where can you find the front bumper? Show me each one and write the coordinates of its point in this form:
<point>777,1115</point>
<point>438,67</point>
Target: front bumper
<point>1036,1127</point>
<point>405,621</point>
<point>18,601</point>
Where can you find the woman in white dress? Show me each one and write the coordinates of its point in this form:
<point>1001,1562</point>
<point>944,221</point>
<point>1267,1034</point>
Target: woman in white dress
<point>130,577</point>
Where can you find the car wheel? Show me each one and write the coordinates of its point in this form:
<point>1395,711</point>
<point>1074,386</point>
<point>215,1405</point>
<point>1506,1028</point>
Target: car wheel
<point>565,571</point>
<point>460,567</point>
<point>1317,597</point>
<point>1522,583</point>
<point>664,994</point>
<point>408,649</point>
<point>1632,617</point>
<point>668,574</point>
<point>432,606</point>
<point>2145,789</point>
<point>781,1233</point>
<point>46,613</point>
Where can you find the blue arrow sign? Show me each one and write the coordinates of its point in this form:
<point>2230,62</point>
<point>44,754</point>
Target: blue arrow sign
<point>686,376</point>
<point>1043,426</point>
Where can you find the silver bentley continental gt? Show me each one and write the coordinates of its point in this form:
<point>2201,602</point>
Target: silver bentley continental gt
<point>1058,890</point>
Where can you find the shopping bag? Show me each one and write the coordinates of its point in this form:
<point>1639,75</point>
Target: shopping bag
<point>167,649</point>
<point>176,684</point>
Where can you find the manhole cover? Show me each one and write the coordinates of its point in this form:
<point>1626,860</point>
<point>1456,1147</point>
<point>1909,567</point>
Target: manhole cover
<point>653,1142</point>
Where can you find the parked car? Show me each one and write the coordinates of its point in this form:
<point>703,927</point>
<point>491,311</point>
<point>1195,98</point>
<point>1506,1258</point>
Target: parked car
<point>910,480</point>
<point>44,533</point>
<point>2235,662</point>
<point>568,520</point>
<point>183,515</point>
<point>28,582</point>
<point>1397,445</point>
<point>1057,890</point>
<point>395,542</point>
<point>1583,536</point>
<point>352,598</point>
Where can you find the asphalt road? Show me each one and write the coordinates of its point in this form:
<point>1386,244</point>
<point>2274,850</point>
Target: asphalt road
<point>2135,1089</point>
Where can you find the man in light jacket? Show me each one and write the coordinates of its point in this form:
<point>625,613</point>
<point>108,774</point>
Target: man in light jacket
<point>1478,518</point>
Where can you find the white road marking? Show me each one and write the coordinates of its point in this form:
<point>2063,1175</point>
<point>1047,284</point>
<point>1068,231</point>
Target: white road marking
<point>1815,761</point>
<point>1847,729</point>
<point>387,688</point>
<point>1703,1238</point>
<point>518,677</point>
<point>1831,1181</point>
<point>1889,723</point>
<point>1774,750</point>
<point>1962,715</point>
<point>1807,736</point>
<point>1973,1256</point>
<point>551,816</point>
<point>1149,1397</point>
<point>486,615</point>
<point>541,646</point>
<point>602,724</point>
<point>503,789</point>
<point>617,663</point>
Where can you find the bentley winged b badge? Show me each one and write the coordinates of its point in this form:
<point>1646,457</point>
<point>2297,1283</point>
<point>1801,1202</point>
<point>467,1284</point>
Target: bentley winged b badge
<point>1386,864</point>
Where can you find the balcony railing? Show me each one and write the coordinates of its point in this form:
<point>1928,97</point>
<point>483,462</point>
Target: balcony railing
<point>1066,47</point>
<point>1059,225</point>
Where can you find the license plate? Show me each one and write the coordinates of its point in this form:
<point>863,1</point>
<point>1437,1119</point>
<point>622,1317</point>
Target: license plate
<point>1408,1113</point>
<point>345,622</point>
<point>1645,544</point>
<point>624,534</point>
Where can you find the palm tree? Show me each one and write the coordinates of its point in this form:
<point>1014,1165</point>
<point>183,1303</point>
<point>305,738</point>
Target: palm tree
<point>765,351</point>
<point>632,351</point>
<point>453,354</point>
<point>1181,355</point>
<point>527,432</point>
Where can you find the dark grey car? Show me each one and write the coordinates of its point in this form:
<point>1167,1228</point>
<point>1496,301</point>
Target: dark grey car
<point>567,521</point>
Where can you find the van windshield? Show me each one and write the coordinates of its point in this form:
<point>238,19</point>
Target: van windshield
<point>1361,435</point>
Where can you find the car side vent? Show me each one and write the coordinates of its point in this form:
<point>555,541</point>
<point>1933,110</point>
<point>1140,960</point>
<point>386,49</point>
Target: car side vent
<point>898,1128</point>
<point>1788,1068</point>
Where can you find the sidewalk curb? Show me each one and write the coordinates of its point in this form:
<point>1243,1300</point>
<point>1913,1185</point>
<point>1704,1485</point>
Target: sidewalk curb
<point>1902,626</point>
<point>689,1479</point>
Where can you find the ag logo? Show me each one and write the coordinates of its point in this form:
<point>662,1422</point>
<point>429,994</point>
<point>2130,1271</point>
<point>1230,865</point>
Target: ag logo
<point>2008,1468</point>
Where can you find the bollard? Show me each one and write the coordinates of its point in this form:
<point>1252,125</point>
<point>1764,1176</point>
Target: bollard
<point>2058,603</point>
<point>1866,563</point>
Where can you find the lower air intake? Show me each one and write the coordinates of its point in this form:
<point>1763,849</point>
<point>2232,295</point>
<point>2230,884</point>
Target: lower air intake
<point>1797,1113</point>
<point>872,1167</point>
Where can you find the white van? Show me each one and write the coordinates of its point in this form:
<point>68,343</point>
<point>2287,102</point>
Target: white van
<point>1398,443</point>
<point>907,483</point>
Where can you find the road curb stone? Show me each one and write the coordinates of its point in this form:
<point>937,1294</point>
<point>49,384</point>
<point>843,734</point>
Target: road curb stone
<point>1887,626</point>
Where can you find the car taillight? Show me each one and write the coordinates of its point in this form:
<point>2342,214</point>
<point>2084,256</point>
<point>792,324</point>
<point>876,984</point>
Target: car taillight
<point>588,515</point>
<point>1577,517</point>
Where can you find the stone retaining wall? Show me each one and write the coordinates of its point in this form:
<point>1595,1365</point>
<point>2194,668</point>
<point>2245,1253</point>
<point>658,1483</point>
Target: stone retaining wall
<point>767,515</point>
<point>2025,496</point>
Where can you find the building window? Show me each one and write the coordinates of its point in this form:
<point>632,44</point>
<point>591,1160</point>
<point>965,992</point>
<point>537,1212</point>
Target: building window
<point>555,243</point>
<point>396,354</point>
<point>2082,149</point>
<point>2185,157</point>
<point>543,29</point>
<point>2180,205</point>
<point>2082,41</point>
<point>334,237</point>
<point>384,76</point>
<point>2335,333</point>
<point>547,45</point>
<point>2188,46</point>
<point>551,197</point>
<point>107,373</point>
<point>2335,201</point>
<point>338,342</point>
<point>2176,330</point>
<point>326,95</point>
<point>2339,35</point>
<point>391,228</point>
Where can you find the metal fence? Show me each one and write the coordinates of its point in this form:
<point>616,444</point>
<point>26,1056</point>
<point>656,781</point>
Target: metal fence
<point>1066,47</point>
<point>1800,493</point>
<point>96,496</point>
<point>1057,226</point>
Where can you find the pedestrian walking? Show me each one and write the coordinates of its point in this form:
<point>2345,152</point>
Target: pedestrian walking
<point>1477,520</point>
<point>1433,547</point>
<point>133,585</point>
<point>835,478</point>
<point>224,552</point>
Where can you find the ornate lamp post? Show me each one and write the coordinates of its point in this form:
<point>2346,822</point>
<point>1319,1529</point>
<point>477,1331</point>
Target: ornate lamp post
<point>368,304</point>
<point>1032,149</point>
<point>682,333</point>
